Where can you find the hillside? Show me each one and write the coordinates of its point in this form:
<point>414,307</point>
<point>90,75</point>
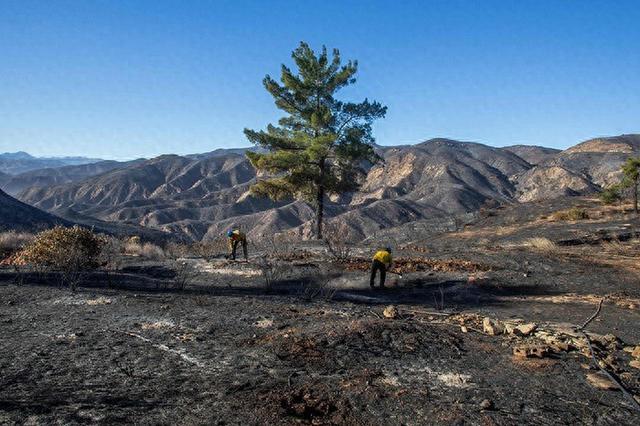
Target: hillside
<point>15,215</point>
<point>199,196</point>
<point>582,169</point>
<point>532,154</point>
<point>50,176</point>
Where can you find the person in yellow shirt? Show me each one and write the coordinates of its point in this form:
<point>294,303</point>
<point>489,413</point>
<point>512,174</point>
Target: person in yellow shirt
<point>237,237</point>
<point>381,262</point>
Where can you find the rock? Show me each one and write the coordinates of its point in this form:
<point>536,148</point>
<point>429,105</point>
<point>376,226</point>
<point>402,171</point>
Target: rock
<point>492,327</point>
<point>600,381</point>
<point>464,329</point>
<point>486,404</point>
<point>531,351</point>
<point>525,329</point>
<point>636,352</point>
<point>391,312</point>
<point>635,364</point>
<point>606,341</point>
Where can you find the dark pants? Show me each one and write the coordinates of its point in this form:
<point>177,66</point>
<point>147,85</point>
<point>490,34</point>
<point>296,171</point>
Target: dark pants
<point>234,248</point>
<point>375,267</point>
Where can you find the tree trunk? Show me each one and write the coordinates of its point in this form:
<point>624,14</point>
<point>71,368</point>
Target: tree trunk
<point>319,212</point>
<point>320,203</point>
<point>635,197</point>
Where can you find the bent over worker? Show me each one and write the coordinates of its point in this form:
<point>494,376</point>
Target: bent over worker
<point>237,237</point>
<point>381,262</point>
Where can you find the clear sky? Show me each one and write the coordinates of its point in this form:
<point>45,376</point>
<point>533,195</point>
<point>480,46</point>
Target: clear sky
<point>125,79</point>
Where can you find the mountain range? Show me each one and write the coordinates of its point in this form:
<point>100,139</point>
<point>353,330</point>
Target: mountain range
<point>199,196</point>
<point>19,162</point>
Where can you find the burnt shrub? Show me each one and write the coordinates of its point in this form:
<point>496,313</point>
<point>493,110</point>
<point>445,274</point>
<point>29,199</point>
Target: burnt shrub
<point>70,252</point>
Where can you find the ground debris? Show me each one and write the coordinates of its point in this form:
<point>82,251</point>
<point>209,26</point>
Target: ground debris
<point>531,351</point>
<point>492,327</point>
<point>391,312</point>
<point>601,381</point>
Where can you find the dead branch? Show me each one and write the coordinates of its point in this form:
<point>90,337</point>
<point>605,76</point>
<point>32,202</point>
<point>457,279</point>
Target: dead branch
<point>592,317</point>
<point>611,377</point>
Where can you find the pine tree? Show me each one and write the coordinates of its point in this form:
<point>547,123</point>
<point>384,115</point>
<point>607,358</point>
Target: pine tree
<point>631,178</point>
<point>320,144</point>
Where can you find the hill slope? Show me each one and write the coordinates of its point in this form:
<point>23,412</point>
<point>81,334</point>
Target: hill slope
<point>16,215</point>
<point>582,169</point>
<point>47,177</point>
<point>199,196</point>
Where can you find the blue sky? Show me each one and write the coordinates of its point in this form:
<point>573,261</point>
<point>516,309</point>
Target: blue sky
<point>125,79</point>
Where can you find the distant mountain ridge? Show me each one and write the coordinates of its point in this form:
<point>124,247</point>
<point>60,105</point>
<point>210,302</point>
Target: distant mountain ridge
<point>46,177</point>
<point>19,162</point>
<point>199,196</point>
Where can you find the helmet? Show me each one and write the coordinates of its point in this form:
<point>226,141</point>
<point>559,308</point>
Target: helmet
<point>388,248</point>
<point>230,233</point>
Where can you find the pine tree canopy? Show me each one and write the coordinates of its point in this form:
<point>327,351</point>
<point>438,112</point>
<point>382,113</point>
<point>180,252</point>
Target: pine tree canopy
<point>321,142</point>
<point>631,171</point>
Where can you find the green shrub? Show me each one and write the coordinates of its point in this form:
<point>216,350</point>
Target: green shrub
<point>611,195</point>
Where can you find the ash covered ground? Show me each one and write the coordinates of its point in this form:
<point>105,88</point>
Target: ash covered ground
<point>484,327</point>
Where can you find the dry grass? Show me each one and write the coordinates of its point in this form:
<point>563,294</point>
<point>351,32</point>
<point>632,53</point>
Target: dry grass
<point>541,244</point>
<point>571,214</point>
<point>146,250</point>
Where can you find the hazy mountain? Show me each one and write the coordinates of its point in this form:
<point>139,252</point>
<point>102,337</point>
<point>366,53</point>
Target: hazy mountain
<point>19,162</point>
<point>13,184</point>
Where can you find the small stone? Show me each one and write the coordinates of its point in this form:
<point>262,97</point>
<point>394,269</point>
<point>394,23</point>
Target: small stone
<point>486,404</point>
<point>635,364</point>
<point>601,381</point>
<point>492,327</point>
<point>390,312</point>
<point>526,329</point>
<point>636,352</point>
<point>464,329</point>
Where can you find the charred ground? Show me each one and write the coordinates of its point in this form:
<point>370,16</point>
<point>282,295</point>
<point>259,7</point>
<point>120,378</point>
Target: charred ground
<point>314,346</point>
